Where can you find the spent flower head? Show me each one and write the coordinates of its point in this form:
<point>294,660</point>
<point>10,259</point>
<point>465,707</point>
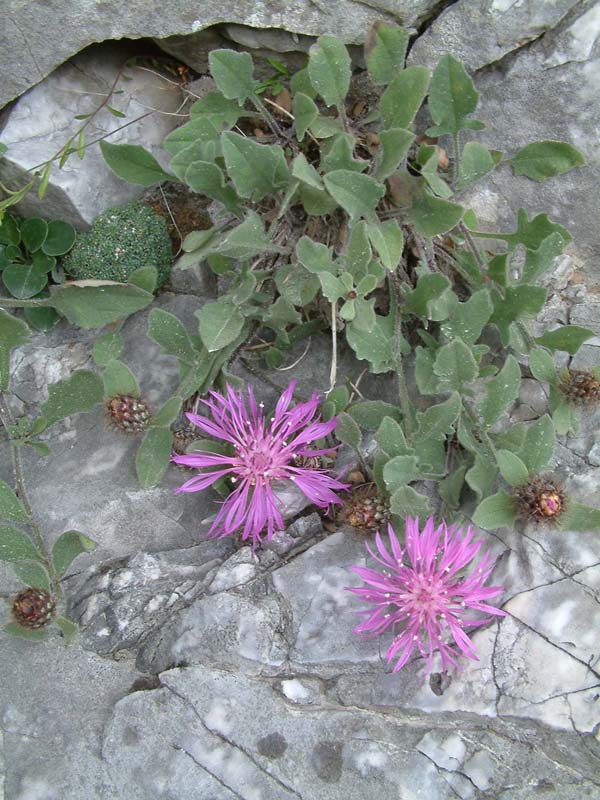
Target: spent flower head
<point>263,452</point>
<point>420,596</point>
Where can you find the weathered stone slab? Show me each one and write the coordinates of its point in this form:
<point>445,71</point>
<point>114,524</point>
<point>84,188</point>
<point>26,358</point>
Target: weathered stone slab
<point>43,120</point>
<point>37,37</point>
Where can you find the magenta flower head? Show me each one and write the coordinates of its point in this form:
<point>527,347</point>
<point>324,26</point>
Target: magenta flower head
<point>425,594</point>
<point>261,453</point>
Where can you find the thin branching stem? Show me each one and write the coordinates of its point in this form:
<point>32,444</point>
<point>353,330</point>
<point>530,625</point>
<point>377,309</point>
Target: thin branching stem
<point>472,245</point>
<point>333,370</point>
<point>7,421</point>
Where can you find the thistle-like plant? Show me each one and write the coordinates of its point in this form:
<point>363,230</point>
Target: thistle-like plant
<point>340,214</point>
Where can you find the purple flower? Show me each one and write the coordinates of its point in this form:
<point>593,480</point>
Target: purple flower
<point>262,453</point>
<point>420,596</point>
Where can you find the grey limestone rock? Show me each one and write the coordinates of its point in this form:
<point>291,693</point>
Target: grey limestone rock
<point>43,120</point>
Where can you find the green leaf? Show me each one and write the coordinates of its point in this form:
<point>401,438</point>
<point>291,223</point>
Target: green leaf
<point>428,156</point>
<point>358,252</point>
<point>24,280</point>
<point>403,97</point>
<point>316,201</point>
<point>376,345</point>
<point>281,314</point>
<point>568,338</point>
<point>32,634</point>
<point>432,216</point>
<point>500,392</point>
<point>153,455</point>
<point>67,547</point>
<point>144,277</point>
<point>314,256</point>
<point>406,502</point>
<point>305,113</point>
<point>74,395</point>
<point>357,194</point>
<point>305,172</point>
<point>542,160</point>
<point>347,430</point>
<point>217,109</point>
<point>246,240</point>
<point>220,324</point>
<point>107,347</point>
<point>388,240</point>
<point>31,573</point>
<point>542,365</point>
<point>476,162</point>
<point>119,379</point>
<point>369,414</point>
<point>325,127</point>
<point>539,444</point>
<point>134,164</point>
<point>390,438</point>
<point>385,51</point>
<point>169,332</point>
<point>329,69</point>
<point>197,140</point>
<point>168,413</point>
<point>207,179</point>
<point>438,420</point>
<point>332,287</point>
<point>399,471</point>
<point>394,145</point>
<point>17,546</point>
<point>10,232</point>
<point>519,303</point>
<point>495,511</point>
<point>69,629</point>
<point>339,397</point>
<point>10,505</point>
<point>452,98</point>
<point>93,304</point>
<point>255,169</point>
<point>59,239</point>
<point>296,284</point>
<point>300,83</point>
<point>455,366</point>
<point>577,517</point>
<point>33,233</point>
<point>429,289</point>
<point>565,419</point>
<point>467,320</point>
<point>482,476</point>
<point>233,73</point>
<point>539,261</point>
<point>41,319</point>
<point>449,489</point>
<point>427,380</point>
<point>338,153</point>
<point>512,469</point>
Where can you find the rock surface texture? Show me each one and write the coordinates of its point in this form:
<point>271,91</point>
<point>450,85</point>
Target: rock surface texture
<point>207,671</point>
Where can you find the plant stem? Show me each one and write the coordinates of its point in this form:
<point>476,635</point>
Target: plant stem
<point>485,439</point>
<point>333,370</point>
<point>13,302</point>
<point>7,421</point>
<point>266,115</point>
<point>395,297</point>
<point>472,245</point>
<point>456,170</point>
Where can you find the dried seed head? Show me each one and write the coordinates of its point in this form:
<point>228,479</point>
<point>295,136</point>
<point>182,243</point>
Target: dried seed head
<point>580,387</point>
<point>542,499</point>
<point>128,414</point>
<point>33,608</point>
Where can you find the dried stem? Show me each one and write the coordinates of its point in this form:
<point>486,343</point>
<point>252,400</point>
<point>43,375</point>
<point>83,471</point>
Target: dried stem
<point>333,371</point>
